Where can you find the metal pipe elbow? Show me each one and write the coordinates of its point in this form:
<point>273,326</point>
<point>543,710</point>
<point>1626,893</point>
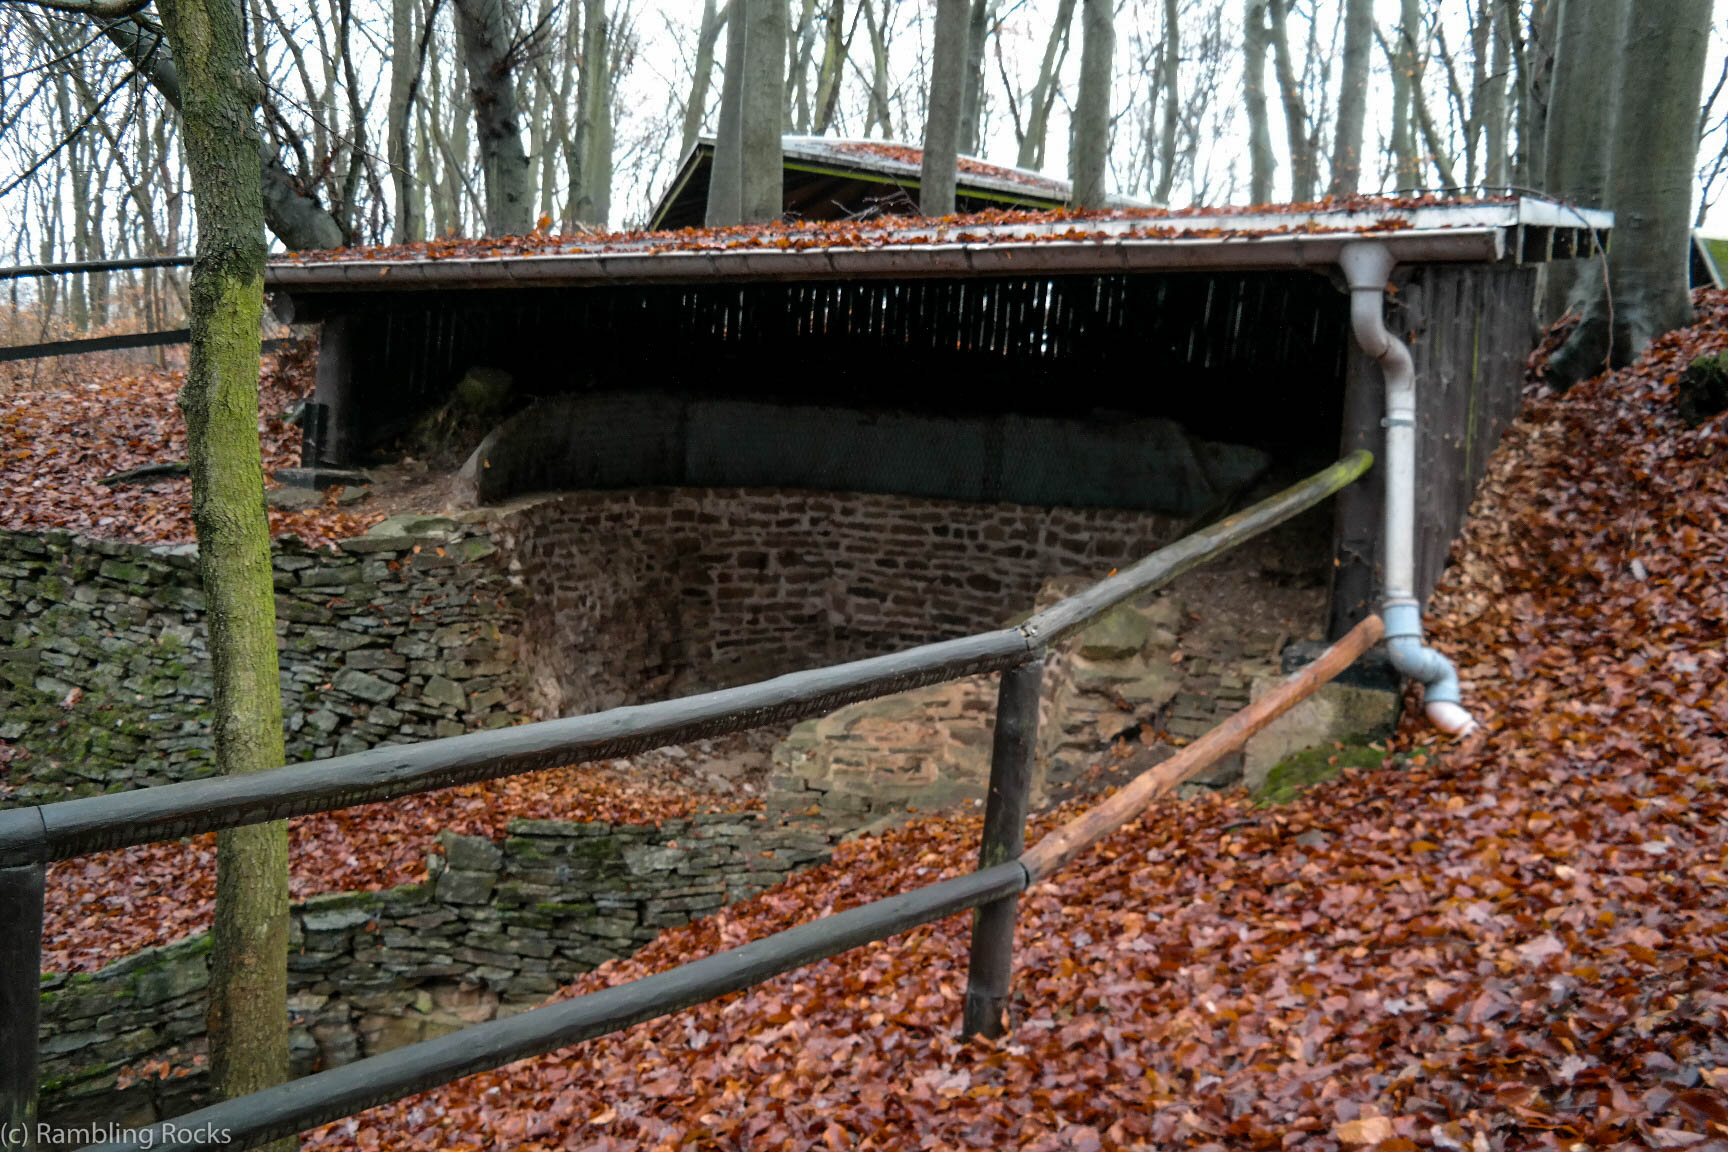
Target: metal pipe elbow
<point>1441,697</point>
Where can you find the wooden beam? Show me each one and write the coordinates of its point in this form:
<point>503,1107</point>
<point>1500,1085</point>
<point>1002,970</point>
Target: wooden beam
<point>169,811</point>
<point>21,894</point>
<point>1085,830</point>
<point>300,1104</point>
<point>991,974</point>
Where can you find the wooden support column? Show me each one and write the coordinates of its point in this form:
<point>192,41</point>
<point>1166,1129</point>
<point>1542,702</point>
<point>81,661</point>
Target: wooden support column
<point>992,968</point>
<point>335,439</point>
<point>1357,508</point>
<point>21,889</point>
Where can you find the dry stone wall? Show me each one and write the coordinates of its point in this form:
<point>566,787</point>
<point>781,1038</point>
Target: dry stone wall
<point>496,928</point>
<point>408,633</point>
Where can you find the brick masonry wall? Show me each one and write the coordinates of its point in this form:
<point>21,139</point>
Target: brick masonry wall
<point>709,587</point>
<point>496,929</point>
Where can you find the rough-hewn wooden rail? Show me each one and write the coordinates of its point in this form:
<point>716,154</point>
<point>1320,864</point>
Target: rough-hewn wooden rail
<point>32,837</point>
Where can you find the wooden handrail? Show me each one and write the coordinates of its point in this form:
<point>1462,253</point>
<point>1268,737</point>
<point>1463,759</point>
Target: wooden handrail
<point>1091,826</point>
<point>30,837</point>
<point>343,1091</point>
<point>169,811</point>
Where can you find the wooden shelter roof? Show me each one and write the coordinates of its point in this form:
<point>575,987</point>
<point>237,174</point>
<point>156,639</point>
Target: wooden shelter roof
<point>1419,231</point>
<point>826,178</point>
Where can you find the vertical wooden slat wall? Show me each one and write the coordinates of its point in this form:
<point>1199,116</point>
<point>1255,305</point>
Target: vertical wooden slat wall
<point>1469,329</point>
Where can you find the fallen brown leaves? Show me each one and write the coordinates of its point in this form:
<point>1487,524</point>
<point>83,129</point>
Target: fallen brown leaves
<point>57,442</point>
<point>1515,943</point>
<point>1148,224</point>
<point>103,907</point>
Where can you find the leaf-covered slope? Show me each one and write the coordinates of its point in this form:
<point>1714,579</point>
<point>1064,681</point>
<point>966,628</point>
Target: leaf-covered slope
<point>57,443</point>
<point>1520,942</point>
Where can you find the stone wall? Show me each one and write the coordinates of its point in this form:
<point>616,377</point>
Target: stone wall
<point>407,633</point>
<point>495,930</point>
<point>427,627</point>
<point>693,589</point>
<point>1139,682</point>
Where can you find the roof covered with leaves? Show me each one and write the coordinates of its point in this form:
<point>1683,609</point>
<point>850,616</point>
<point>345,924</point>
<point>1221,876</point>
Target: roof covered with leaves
<point>1420,229</point>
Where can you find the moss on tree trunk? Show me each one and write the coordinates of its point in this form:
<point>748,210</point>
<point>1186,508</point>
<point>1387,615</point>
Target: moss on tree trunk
<point>248,988</point>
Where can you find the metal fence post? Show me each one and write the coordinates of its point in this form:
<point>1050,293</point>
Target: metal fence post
<point>1016,740</point>
<point>21,890</point>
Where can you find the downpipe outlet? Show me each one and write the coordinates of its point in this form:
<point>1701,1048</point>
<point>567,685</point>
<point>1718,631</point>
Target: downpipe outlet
<point>1367,266</point>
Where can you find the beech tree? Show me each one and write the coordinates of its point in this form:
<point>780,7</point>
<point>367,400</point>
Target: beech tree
<point>1091,151</point>
<point>939,172</point>
<point>217,95</point>
<point>746,179</point>
<point>1352,98</point>
<point>491,52</point>
<point>1651,152</point>
<point>298,219</point>
<point>1031,110</point>
<point>1254,44</point>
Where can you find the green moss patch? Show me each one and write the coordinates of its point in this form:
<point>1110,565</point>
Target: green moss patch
<point>1297,773</point>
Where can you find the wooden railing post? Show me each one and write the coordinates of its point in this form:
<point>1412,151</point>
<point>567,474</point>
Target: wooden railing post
<point>992,966</point>
<point>21,889</point>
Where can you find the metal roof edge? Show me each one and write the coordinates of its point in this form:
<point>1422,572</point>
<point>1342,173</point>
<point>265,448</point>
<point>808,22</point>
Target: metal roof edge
<point>954,257</point>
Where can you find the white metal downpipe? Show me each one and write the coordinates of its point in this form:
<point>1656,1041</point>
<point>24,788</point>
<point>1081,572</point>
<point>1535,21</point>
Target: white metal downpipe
<point>1367,265</point>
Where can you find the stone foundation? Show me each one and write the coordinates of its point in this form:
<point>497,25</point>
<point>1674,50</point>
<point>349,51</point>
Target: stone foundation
<point>1141,681</point>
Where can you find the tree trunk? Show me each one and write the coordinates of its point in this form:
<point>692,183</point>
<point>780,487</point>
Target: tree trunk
<point>1352,98</point>
<point>484,31</point>
<point>1031,154</point>
<point>726,179</point>
<point>762,180</point>
<point>1170,75</point>
<point>880,115</point>
<point>1492,101</point>
<point>939,172</point>
<point>1304,168</point>
<point>1533,58</point>
<point>835,48</point>
<point>803,46</point>
<point>1091,152</point>
<point>1589,47</point>
<point>701,76</point>
<point>594,129</point>
<point>404,70</point>
<point>1655,145</point>
<point>1402,60</point>
<point>248,1023</point>
<point>1260,159</point>
<point>972,98</point>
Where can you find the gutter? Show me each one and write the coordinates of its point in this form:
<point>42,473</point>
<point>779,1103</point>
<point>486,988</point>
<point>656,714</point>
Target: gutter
<point>1108,254</point>
<point>1367,266</point>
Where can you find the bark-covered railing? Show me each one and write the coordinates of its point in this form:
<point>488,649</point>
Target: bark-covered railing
<point>30,838</point>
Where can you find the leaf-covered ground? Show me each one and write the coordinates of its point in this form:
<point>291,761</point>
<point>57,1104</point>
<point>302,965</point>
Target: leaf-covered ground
<point>57,442</point>
<point>102,907</point>
<point>1518,942</point>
